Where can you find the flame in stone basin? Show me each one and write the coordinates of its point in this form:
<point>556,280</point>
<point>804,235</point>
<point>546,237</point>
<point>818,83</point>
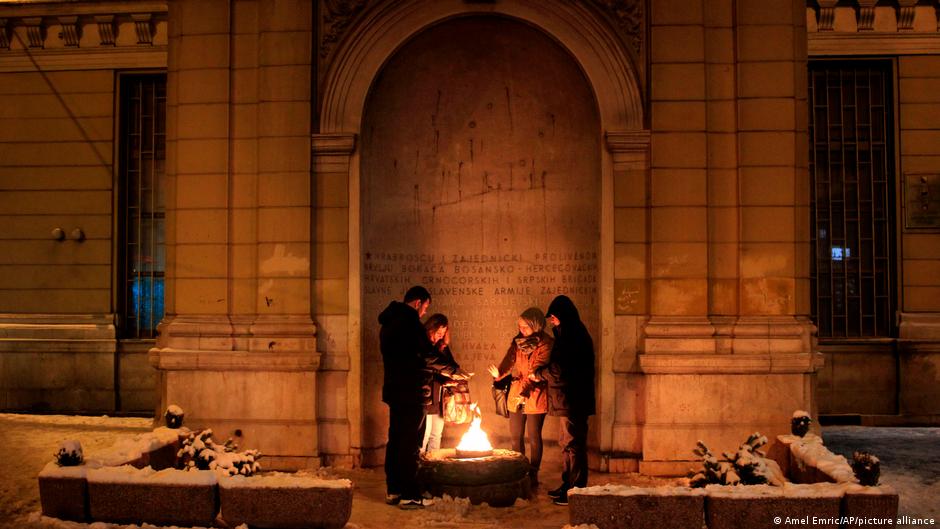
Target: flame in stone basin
<point>474,443</point>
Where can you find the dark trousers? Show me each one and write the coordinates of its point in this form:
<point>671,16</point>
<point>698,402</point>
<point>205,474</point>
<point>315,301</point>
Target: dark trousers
<point>573,443</point>
<point>405,433</point>
<point>518,423</point>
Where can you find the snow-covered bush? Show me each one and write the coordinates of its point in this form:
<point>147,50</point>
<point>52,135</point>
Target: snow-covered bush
<point>747,466</point>
<point>173,416</point>
<point>867,468</point>
<point>201,452</point>
<point>799,423</point>
<point>69,454</point>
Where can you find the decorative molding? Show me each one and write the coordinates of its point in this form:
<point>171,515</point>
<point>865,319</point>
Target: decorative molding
<point>71,32</point>
<point>35,31</point>
<point>627,141</point>
<point>83,59</point>
<point>851,44</point>
<point>327,144</point>
<point>827,14</point>
<point>865,16</point>
<point>697,364</point>
<point>202,360</point>
<point>85,8</point>
<point>107,31</point>
<point>336,17</point>
<point>4,35</point>
<point>906,10</point>
<point>143,24</point>
<point>630,18</point>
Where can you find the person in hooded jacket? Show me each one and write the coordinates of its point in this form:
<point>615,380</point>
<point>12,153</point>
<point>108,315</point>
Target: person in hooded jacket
<point>438,331</point>
<point>410,360</point>
<point>570,375</point>
<point>528,399</point>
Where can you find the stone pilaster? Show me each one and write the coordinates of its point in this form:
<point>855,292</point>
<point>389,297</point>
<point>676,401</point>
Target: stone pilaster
<point>237,349</point>
<point>340,413</point>
<point>621,443</point>
<point>728,349</point>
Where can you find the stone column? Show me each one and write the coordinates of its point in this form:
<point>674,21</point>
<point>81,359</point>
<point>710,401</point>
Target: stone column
<point>728,349</point>
<point>678,328</point>
<point>237,346</point>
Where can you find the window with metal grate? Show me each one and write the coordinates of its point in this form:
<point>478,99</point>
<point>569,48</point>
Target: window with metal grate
<point>851,165</point>
<point>141,202</point>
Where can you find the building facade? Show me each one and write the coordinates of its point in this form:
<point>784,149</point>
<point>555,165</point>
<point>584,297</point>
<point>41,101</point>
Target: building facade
<point>740,196</point>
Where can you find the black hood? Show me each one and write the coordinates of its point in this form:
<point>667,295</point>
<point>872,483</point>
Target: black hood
<point>563,308</point>
<point>396,311</point>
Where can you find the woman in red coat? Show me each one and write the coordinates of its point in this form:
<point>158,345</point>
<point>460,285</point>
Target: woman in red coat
<point>528,352</point>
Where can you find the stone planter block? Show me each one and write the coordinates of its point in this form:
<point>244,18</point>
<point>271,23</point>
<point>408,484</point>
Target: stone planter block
<point>871,502</point>
<point>63,492</point>
<point>283,501</point>
<point>779,451</point>
<point>757,506</point>
<point>169,497</point>
<point>621,507</point>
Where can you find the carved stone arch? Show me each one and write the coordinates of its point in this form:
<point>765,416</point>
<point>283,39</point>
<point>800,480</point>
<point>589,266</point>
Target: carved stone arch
<point>610,66</point>
<point>602,38</point>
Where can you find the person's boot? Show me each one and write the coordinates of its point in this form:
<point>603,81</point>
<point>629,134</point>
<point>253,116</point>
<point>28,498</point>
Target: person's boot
<point>561,500</point>
<point>559,492</point>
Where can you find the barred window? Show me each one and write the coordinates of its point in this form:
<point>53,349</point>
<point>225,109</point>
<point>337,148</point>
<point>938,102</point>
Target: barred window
<point>141,202</point>
<point>853,193</point>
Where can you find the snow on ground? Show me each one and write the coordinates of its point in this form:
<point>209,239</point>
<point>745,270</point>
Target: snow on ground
<point>28,442</point>
<point>910,462</point>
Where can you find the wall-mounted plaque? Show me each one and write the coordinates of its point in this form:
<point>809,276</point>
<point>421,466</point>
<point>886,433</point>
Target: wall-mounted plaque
<point>922,201</point>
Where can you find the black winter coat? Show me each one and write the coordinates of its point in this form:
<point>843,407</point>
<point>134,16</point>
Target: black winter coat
<point>439,378</point>
<point>408,356</point>
<point>570,371</point>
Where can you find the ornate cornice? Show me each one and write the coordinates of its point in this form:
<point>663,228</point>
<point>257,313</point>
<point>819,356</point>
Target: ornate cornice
<point>71,31</point>
<point>629,17</point>
<point>143,24</point>
<point>25,26</point>
<point>866,15</point>
<point>35,31</point>
<point>106,29</point>
<point>4,34</point>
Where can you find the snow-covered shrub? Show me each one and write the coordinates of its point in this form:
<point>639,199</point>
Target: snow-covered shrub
<point>69,454</point>
<point>867,468</point>
<point>173,416</point>
<point>747,466</point>
<point>799,423</point>
<point>201,452</point>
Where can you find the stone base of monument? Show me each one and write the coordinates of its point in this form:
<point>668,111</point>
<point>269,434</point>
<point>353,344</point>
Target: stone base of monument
<point>497,479</point>
<point>285,501</point>
<point>624,507</point>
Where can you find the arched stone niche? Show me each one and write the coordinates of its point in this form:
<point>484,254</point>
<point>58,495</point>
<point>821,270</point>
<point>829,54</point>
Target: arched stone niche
<point>617,145</point>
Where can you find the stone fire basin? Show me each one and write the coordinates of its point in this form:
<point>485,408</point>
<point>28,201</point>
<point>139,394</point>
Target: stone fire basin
<point>497,479</point>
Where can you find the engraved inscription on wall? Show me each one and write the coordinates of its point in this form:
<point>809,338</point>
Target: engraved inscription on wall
<point>480,177</point>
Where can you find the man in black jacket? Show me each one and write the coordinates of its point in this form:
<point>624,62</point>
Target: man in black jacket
<point>570,375</point>
<point>410,360</point>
